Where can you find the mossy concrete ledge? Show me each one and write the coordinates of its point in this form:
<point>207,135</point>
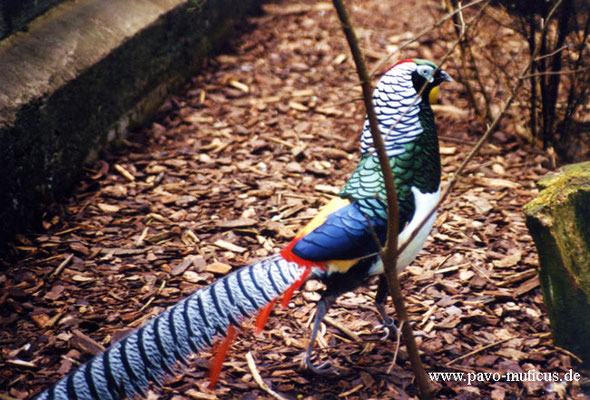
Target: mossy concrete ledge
<point>83,72</point>
<point>559,221</point>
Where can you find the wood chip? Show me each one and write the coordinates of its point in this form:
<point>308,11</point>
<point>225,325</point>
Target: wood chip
<point>327,189</point>
<point>62,265</point>
<point>298,106</point>
<point>497,183</point>
<point>240,86</point>
<point>108,208</point>
<point>340,58</point>
<point>447,151</point>
<point>40,320</point>
<point>86,343</point>
<point>191,261</point>
<point>509,260</point>
<point>238,223</point>
<point>286,9</point>
<point>218,268</point>
<point>82,278</point>
<point>126,174</point>
<point>21,363</point>
<point>229,246</point>
<point>527,286</point>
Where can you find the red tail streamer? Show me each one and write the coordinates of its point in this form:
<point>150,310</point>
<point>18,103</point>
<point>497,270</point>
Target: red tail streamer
<point>296,285</point>
<point>263,317</point>
<point>265,312</point>
<point>217,363</point>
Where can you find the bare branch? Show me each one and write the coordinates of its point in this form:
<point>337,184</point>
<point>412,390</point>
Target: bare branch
<point>423,32</point>
<point>565,46</point>
<point>560,72</point>
<point>389,253</point>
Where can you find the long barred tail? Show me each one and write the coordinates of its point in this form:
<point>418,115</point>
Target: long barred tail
<point>155,350</point>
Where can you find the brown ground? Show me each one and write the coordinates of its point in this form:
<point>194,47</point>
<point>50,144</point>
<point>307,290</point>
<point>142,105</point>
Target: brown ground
<point>225,174</point>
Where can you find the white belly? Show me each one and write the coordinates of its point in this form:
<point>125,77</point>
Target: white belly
<point>424,204</point>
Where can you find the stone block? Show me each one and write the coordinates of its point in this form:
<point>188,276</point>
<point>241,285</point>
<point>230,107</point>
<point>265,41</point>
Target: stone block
<point>559,221</point>
<point>80,76</point>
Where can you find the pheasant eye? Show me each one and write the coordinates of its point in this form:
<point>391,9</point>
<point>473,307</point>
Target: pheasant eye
<point>426,72</point>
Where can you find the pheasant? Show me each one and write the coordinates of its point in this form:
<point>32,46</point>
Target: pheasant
<point>339,246</point>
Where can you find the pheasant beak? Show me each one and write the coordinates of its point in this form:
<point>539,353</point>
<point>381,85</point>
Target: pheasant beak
<point>439,77</point>
<point>442,76</point>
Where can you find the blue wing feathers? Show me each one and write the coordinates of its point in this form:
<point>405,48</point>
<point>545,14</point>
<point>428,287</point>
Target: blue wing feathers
<point>346,234</point>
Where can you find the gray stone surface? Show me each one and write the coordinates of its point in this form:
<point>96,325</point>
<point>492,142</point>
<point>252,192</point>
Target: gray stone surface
<point>83,72</point>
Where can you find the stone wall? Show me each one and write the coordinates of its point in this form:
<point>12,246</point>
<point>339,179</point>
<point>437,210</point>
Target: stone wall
<point>81,74</point>
<point>15,14</point>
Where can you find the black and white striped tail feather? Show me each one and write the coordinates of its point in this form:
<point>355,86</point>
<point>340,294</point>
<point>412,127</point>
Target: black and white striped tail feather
<point>157,349</point>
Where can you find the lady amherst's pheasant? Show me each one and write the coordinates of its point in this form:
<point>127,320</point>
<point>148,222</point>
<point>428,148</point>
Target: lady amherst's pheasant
<point>337,247</point>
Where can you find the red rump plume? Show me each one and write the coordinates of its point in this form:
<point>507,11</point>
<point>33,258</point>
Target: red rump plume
<point>217,363</point>
<point>287,254</point>
<point>295,286</point>
<point>263,317</point>
<point>265,312</point>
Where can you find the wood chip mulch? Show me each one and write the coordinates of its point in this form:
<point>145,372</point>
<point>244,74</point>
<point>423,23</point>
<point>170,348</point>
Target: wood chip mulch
<point>231,167</point>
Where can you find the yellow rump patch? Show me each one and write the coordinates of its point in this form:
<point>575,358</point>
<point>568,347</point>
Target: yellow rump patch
<point>341,266</point>
<point>335,204</point>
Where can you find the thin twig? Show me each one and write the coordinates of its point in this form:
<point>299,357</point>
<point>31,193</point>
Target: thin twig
<point>575,98</point>
<point>568,353</point>
<point>342,328</point>
<point>467,53</point>
<point>423,32</point>
<point>565,46</point>
<point>397,346</point>
<point>62,265</point>
<point>258,378</point>
<point>478,350</point>
<point>560,72</point>
<point>533,80</point>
